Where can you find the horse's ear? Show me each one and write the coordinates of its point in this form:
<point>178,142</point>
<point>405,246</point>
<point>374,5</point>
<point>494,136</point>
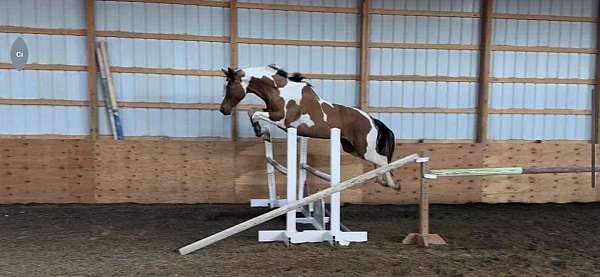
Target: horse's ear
<point>224,71</point>
<point>240,73</point>
<point>231,71</point>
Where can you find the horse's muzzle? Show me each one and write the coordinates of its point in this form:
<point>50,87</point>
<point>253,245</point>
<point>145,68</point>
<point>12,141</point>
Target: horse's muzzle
<point>225,111</point>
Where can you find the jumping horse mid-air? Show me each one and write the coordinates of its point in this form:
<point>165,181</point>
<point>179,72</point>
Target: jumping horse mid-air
<point>291,102</point>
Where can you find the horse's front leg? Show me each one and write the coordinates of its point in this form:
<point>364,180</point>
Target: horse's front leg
<point>255,117</point>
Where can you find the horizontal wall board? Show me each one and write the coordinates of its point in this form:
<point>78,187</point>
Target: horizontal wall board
<point>207,3</point>
<point>184,37</point>
<point>41,31</point>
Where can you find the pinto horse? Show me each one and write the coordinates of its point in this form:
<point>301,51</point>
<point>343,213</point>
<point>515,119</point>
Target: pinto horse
<point>291,102</point>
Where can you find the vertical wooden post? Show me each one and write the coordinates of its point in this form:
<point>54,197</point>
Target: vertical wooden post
<point>487,9</point>
<point>233,56</point>
<point>424,203</point>
<point>423,237</point>
<point>596,106</point>
<point>91,66</point>
<point>364,56</point>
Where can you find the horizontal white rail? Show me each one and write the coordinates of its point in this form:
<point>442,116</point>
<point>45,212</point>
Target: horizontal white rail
<point>279,167</point>
<point>316,172</point>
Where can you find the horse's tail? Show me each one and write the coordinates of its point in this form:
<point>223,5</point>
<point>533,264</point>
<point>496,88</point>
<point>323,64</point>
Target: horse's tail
<point>385,140</point>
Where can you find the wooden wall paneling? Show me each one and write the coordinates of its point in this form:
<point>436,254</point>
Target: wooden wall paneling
<point>42,170</point>
<point>540,188</point>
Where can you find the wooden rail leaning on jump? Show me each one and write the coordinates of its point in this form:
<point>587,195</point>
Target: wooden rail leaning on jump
<point>423,237</point>
<point>292,206</point>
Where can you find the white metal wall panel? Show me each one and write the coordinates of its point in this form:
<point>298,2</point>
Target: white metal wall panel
<point>68,14</point>
<point>423,62</point>
<point>548,7</point>
<point>422,94</point>
<point>167,53</point>
<point>544,33</point>
<point>540,96</point>
<point>169,122</point>
<point>429,125</point>
<point>542,65</point>
<point>324,3</point>
<point>152,53</point>
<point>43,84</point>
<point>47,49</point>
<point>508,64</point>
<point>305,59</point>
<point>424,29</point>
<point>138,87</point>
<point>42,120</point>
<point>298,25</point>
<point>434,5</point>
<point>539,126</point>
<point>161,18</point>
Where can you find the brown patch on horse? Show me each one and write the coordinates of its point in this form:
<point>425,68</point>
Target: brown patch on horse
<point>355,127</point>
<point>265,89</point>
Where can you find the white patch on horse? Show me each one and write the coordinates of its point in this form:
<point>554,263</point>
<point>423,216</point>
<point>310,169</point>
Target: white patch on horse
<point>303,119</point>
<point>371,151</point>
<point>321,102</point>
<point>257,72</point>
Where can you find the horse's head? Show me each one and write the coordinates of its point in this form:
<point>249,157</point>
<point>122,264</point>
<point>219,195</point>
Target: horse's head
<point>234,91</point>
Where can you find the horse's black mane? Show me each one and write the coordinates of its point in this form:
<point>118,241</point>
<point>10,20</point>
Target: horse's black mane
<point>294,77</point>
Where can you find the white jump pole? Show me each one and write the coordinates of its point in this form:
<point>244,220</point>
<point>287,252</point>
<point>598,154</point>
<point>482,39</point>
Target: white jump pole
<point>271,175</point>
<point>292,168</point>
<point>292,206</point>
<point>335,181</point>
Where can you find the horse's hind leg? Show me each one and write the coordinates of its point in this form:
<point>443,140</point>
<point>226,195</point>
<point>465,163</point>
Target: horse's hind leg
<point>386,179</point>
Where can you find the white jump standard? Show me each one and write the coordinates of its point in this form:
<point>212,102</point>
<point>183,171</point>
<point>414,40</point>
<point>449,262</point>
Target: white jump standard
<point>314,213</point>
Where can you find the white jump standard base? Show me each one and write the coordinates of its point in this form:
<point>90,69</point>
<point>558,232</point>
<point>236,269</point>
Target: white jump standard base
<point>315,212</point>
